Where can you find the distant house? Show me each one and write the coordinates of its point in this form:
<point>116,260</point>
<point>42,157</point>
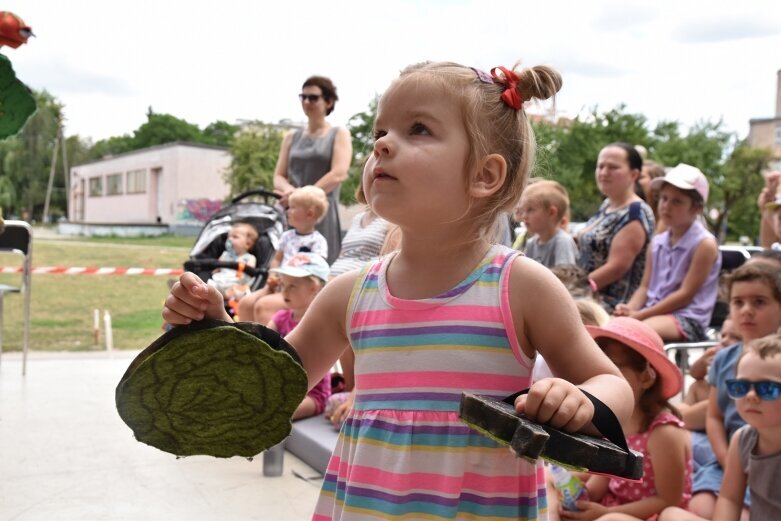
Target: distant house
<point>766,132</point>
<point>173,184</point>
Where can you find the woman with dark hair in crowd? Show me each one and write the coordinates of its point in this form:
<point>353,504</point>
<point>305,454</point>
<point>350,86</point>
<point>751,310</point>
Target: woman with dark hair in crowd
<point>612,243</point>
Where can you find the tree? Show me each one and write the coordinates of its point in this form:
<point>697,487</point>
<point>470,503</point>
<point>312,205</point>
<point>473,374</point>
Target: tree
<point>219,133</point>
<point>736,191</point>
<point>255,150</point>
<point>25,159</point>
<point>165,128</point>
<point>361,127</point>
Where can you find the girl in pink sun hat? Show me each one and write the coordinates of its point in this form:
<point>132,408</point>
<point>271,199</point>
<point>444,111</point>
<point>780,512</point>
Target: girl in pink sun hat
<point>655,429</point>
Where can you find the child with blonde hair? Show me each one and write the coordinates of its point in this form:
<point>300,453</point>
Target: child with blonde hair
<point>446,313</point>
<point>754,455</point>
<point>307,206</point>
<point>543,206</point>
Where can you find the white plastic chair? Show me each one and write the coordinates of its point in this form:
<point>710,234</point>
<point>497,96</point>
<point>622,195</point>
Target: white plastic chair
<point>17,237</point>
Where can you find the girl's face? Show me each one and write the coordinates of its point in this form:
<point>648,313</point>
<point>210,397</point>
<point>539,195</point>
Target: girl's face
<point>676,208</point>
<point>622,357</point>
<point>298,292</point>
<point>759,413</point>
<point>615,178</point>
<point>729,334</point>
<point>753,309</point>
<point>421,149</point>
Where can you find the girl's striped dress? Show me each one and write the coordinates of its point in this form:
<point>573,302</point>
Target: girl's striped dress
<point>403,453</point>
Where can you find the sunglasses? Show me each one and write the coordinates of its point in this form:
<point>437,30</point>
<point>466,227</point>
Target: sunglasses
<point>311,98</point>
<point>765,389</point>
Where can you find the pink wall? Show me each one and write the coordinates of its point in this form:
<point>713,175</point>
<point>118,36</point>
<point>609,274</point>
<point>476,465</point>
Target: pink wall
<point>187,173</point>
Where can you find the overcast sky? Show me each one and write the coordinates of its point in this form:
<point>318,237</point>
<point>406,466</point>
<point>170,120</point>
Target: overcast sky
<point>108,61</point>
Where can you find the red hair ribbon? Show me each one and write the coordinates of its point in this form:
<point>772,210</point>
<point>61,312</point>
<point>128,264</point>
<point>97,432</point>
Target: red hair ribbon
<point>510,81</point>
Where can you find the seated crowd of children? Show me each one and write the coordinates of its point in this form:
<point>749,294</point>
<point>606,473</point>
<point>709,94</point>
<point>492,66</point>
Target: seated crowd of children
<point>712,455</point>
<point>715,454</point>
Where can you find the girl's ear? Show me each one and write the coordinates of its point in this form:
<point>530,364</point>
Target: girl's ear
<point>648,377</point>
<point>490,177</point>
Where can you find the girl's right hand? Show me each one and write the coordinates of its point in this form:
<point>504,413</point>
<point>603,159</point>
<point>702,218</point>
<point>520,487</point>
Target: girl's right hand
<point>192,299</point>
<point>621,310</point>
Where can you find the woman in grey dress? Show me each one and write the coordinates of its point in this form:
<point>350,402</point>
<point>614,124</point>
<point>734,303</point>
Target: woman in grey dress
<point>319,155</point>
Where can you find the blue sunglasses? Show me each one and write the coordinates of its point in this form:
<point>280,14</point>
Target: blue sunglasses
<point>765,389</point>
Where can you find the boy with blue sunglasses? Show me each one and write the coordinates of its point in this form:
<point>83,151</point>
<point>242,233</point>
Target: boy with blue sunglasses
<point>755,309</point>
<point>754,455</point>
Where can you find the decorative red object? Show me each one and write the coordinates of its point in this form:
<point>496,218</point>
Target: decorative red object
<point>13,31</point>
<point>510,81</point>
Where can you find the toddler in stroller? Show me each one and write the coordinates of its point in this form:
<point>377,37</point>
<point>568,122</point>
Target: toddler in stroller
<point>253,215</point>
<point>234,284</point>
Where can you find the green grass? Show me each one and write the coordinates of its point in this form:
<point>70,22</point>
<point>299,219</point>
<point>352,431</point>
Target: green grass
<point>62,305</point>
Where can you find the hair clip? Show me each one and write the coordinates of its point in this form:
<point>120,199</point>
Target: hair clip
<point>510,81</point>
<point>483,76</point>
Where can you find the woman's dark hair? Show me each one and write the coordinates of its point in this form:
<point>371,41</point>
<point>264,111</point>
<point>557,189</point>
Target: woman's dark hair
<point>328,88</point>
<point>632,155</point>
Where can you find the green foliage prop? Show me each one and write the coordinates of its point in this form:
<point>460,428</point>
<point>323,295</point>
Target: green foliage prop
<point>213,388</point>
<point>16,102</point>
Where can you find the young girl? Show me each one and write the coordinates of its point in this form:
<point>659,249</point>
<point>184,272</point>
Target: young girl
<point>655,429</point>
<point>680,282</point>
<point>755,308</point>
<point>301,279</point>
<point>754,454</point>
<point>448,312</point>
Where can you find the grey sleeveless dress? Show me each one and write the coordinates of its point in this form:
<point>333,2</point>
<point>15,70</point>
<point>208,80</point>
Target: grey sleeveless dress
<point>309,159</point>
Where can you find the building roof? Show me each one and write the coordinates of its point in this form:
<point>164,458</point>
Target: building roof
<point>764,120</point>
<point>152,148</point>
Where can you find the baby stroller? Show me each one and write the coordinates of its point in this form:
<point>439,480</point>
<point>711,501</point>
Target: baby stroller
<point>255,207</point>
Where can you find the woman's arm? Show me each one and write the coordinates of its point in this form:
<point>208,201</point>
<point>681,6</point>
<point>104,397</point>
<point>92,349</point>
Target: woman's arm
<point>767,235</point>
<point>626,246</point>
<point>702,262</point>
<point>729,505</point>
<point>714,426</point>
<point>340,162</point>
<point>321,336</point>
<point>640,296</point>
<point>567,347</point>
<point>281,184</point>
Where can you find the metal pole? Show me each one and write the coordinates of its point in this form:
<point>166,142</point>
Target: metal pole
<point>66,171</point>
<point>51,181</point>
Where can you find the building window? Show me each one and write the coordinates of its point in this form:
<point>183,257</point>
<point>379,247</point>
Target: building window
<point>114,184</point>
<point>778,135</point>
<point>136,181</point>
<point>95,186</point>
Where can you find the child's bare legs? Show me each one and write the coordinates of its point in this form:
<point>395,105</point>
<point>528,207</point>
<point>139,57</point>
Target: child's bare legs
<point>678,514</point>
<point>265,307</point>
<point>666,326</point>
<point>703,504</point>
<point>305,409</point>
<point>694,407</point>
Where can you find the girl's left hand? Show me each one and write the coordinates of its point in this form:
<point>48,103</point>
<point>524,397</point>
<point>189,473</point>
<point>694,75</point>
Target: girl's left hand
<point>588,511</point>
<point>556,402</point>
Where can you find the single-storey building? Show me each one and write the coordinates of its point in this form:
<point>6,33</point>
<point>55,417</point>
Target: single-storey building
<point>172,184</point>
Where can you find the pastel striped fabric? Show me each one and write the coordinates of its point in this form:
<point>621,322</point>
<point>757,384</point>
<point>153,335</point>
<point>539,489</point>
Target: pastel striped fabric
<point>403,453</point>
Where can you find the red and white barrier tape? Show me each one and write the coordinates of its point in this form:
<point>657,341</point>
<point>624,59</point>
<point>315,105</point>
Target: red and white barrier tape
<point>64,270</point>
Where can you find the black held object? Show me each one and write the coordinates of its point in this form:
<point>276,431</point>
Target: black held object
<point>498,420</point>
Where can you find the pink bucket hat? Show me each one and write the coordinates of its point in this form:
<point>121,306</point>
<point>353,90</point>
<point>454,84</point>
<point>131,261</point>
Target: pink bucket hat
<point>643,339</point>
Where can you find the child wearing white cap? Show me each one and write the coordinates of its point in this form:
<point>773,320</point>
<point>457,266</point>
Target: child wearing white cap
<point>680,282</point>
<point>301,279</point>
